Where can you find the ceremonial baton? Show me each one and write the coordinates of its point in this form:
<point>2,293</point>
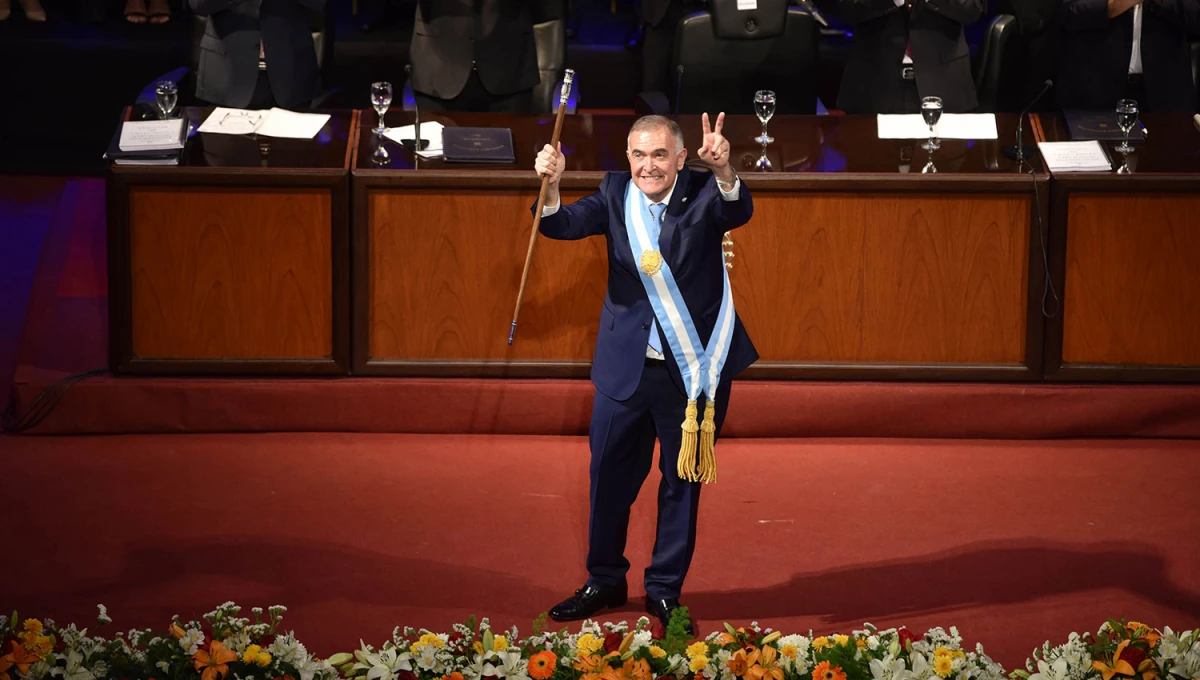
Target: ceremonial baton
<point>537,213</point>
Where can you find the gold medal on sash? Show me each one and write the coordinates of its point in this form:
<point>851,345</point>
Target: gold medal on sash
<point>651,262</point>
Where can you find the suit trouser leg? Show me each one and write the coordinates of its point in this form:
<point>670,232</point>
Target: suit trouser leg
<point>622,445</point>
<point>678,500</point>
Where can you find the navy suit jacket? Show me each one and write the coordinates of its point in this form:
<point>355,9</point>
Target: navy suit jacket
<point>693,227</point>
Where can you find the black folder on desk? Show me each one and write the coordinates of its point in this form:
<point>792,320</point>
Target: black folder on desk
<point>477,145</point>
<point>1085,125</point>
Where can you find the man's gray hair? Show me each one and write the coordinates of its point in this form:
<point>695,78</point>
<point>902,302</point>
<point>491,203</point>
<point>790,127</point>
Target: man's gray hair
<point>654,122</point>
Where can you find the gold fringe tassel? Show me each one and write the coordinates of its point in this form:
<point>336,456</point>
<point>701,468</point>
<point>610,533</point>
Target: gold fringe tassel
<point>687,450</point>
<point>708,441</point>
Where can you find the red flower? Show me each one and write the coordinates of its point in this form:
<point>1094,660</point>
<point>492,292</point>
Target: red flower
<point>907,637</point>
<point>612,642</point>
<point>407,675</point>
<point>1134,655</point>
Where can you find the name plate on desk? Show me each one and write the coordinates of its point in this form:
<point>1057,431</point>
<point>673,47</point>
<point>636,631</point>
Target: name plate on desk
<point>477,145</point>
<point>1088,125</point>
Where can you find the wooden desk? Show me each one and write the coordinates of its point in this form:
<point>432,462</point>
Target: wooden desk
<point>1124,253</point>
<point>850,267</point>
<point>236,260</point>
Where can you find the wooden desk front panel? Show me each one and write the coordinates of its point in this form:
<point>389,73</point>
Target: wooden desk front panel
<point>1132,286</point>
<point>220,273</point>
<point>818,278</point>
<point>885,278</point>
<point>444,271</point>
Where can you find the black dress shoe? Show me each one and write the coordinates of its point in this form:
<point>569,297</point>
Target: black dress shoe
<point>587,601</point>
<point>662,610</point>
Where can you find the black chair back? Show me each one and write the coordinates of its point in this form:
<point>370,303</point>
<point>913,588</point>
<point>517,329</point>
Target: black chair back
<point>550,38</point>
<point>728,54</point>
<point>998,77</point>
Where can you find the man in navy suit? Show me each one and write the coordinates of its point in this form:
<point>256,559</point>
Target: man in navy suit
<point>664,224</point>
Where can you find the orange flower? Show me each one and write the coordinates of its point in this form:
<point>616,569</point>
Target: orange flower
<point>541,665</point>
<point>824,671</point>
<point>1116,665</point>
<point>19,657</point>
<point>637,669</point>
<point>764,667</point>
<point>1148,633</point>
<point>738,663</point>
<point>214,662</point>
<point>593,666</point>
<point>453,676</point>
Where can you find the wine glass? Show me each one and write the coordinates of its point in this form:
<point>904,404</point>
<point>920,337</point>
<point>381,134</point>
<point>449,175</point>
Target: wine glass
<point>931,111</point>
<point>1127,115</point>
<point>381,99</point>
<point>166,95</point>
<point>764,108</point>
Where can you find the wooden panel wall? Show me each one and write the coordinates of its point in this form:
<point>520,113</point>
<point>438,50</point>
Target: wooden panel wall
<point>445,267</point>
<point>229,273</point>
<point>1132,288</point>
<point>817,278</point>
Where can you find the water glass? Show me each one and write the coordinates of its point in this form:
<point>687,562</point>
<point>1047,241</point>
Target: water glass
<point>381,99</point>
<point>764,108</point>
<point>166,95</point>
<point>1127,116</point>
<point>931,112</point>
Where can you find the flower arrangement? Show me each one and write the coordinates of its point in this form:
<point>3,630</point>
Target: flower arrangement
<point>1124,650</point>
<point>227,646</point>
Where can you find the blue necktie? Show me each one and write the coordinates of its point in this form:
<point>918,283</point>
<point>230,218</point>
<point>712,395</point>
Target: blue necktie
<point>657,210</point>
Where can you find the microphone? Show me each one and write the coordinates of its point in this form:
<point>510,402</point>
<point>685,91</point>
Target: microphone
<point>678,87</point>
<point>416,143</point>
<point>1020,151</point>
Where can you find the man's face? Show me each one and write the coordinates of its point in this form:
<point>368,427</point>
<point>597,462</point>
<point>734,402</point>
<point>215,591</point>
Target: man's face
<point>654,161</point>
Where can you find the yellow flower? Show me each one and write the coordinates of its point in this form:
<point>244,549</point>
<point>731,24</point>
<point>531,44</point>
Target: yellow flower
<point>588,644</point>
<point>943,665</point>
<point>251,654</point>
<point>263,660</point>
<point>478,647</point>
<point>499,644</point>
<point>33,626</point>
<point>842,639</point>
<point>657,652</point>
<point>951,653</point>
<point>789,651</point>
<point>861,642</point>
<point>698,663</point>
<point>820,643</point>
<point>697,649</point>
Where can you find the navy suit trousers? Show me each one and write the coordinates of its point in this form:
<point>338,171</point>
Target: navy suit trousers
<point>622,442</point>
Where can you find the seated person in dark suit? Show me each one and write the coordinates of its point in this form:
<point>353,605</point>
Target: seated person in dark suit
<point>256,54</point>
<point>905,50</point>
<point>474,55</point>
<point>1136,49</point>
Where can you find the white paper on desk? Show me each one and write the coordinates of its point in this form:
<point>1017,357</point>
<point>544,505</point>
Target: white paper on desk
<point>431,131</point>
<point>284,123</point>
<point>225,121</point>
<point>151,135</point>
<point>951,126</point>
<point>1086,156</point>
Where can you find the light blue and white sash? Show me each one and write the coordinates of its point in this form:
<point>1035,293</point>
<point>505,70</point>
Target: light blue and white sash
<point>699,365</point>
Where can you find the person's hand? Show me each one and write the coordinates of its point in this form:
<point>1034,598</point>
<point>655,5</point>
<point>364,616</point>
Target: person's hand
<point>550,163</point>
<point>714,152</point>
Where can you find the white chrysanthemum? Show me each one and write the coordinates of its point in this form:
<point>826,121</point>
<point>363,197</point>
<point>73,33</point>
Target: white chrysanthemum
<point>428,659</point>
<point>287,649</point>
<point>641,640</point>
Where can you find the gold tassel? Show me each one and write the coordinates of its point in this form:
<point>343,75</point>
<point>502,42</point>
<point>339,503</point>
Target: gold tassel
<point>687,450</point>
<point>708,442</point>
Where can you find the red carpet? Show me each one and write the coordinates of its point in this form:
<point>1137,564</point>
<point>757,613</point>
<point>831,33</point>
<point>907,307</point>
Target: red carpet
<point>1013,542</point>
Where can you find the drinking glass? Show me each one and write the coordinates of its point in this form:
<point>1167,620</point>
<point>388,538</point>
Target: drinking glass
<point>931,111</point>
<point>381,99</point>
<point>1127,116</point>
<point>166,95</point>
<point>764,108</point>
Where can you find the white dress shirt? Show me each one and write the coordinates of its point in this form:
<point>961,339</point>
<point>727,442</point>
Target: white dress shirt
<point>1135,59</point>
<point>731,195</point>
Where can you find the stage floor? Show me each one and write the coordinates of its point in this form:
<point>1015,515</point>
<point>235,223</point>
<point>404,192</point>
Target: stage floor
<point>1013,542</point>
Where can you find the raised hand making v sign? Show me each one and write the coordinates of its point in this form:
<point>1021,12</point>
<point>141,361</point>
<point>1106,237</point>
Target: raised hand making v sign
<point>714,152</point>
